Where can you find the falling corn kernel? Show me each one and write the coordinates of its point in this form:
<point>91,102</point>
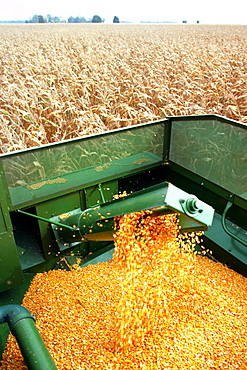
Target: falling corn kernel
<point>156,305</point>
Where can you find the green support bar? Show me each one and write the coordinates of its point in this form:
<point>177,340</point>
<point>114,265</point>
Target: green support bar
<point>45,219</point>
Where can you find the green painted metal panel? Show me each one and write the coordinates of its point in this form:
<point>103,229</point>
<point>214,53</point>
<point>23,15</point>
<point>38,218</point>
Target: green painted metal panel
<point>3,226</point>
<point>93,197</point>
<point>10,268</point>
<point>54,207</point>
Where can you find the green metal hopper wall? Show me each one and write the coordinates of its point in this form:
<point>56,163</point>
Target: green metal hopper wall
<point>206,155</point>
<point>42,173</point>
<point>214,148</point>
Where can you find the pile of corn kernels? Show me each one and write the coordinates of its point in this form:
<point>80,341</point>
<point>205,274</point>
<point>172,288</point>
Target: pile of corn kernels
<point>156,305</point>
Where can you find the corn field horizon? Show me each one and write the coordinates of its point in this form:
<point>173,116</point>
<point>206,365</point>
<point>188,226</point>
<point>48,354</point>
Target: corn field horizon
<point>67,80</point>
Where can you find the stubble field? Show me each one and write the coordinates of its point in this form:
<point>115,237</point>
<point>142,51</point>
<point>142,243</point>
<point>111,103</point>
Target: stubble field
<point>63,81</point>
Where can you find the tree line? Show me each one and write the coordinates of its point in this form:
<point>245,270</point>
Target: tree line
<point>49,19</point>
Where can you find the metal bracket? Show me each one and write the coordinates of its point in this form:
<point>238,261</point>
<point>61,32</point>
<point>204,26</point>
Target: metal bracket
<point>101,193</point>
<point>191,206</point>
<point>223,222</point>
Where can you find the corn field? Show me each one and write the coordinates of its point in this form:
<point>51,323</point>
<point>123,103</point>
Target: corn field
<point>63,81</point>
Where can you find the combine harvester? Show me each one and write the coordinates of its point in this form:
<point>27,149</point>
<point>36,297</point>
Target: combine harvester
<point>57,200</point>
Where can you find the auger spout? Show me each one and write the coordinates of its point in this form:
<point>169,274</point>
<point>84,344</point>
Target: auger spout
<point>96,223</point>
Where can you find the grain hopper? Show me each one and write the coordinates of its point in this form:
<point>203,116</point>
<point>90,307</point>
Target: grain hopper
<point>57,200</point>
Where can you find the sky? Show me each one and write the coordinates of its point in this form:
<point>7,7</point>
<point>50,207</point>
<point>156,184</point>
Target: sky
<point>204,11</point>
